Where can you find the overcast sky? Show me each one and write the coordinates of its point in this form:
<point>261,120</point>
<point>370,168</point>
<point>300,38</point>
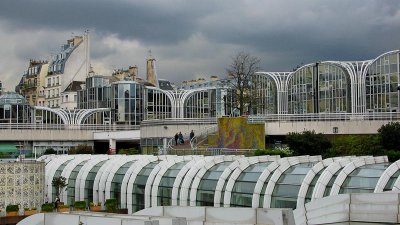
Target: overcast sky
<point>198,38</point>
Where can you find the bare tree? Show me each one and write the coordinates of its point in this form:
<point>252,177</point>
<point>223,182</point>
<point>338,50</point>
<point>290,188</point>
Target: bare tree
<point>240,72</point>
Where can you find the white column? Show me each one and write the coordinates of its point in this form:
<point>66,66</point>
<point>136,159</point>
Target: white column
<point>112,149</point>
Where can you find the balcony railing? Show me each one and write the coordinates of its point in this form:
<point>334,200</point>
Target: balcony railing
<point>390,116</point>
<point>43,126</point>
<point>167,121</point>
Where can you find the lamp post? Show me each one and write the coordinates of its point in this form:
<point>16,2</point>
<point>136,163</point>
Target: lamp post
<point>398,98</point>
<point>335,130</point>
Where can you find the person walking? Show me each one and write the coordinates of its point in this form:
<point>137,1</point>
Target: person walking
<point>191,135</point>
<point>181,141</point>
<point>176,138</point>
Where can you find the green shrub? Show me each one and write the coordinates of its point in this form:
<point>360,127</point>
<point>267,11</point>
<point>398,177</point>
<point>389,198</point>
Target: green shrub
<point>355,145</point>
<point>308,143</point>
<point>12,208</point>
<point>392,155</point>
<point>50,151</point>
<point>389,136</point>
<point>26,209</point>
<point>283,152</point>
<point>80,205</point>
<point>111,205</point>
<point>129,151</point>
<point>47,207</point>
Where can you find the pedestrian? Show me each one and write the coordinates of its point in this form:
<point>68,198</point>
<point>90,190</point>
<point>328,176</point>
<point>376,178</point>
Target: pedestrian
<point>191,135</point>
<point>181,138</point>
<point>176,138</point>
<point>57,201</point>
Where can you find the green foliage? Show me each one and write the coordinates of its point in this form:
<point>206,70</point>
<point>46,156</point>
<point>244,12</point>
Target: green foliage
<point>81,149</point>
<point>129,151</point>
<point>392,155</point>
<point>47,207</point>
<point>80,205</point>
<point>308,143</point>
<point>390,136</point>
<point>26,209</point>
<point>50,151</point>
<point>12,208</point>
<point>283,152</point>
<point>355,145</point>
<point>59,183</point>
<point>111,205</point>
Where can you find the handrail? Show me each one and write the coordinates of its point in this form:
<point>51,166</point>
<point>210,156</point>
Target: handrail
<point>194,141</point>
<point>324,117</point>
<point>43,126</point>
<point>167,121</point>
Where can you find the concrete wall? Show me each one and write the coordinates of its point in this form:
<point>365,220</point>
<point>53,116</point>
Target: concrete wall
<point>118,135</point>
<point>220,215</point>
<point>169,130</point>
<point>45,135</point>
<point>370,207</point>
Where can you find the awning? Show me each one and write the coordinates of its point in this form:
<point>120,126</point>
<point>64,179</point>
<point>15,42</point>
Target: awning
<point>8,148</point>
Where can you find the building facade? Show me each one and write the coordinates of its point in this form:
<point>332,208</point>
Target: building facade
<point>32,84</point>
<point>357,87</point>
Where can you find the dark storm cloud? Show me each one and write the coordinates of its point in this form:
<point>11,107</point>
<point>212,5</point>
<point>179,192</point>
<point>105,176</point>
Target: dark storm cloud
<point>189,38</point>
<point>148,21</point>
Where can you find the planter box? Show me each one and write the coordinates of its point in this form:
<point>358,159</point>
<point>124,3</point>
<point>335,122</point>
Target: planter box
<point>79,209</point>
<point>12,214</point>
<point>30,212</point>
<point>63,209</point>
<point>95,208</point>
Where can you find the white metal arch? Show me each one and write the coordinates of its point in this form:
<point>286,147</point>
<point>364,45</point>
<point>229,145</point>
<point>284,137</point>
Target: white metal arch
<point>83,115</point>
<point>355,70</point>
<point>310,176</point>
<point>351,167</point>
<point>328,173</point>
<point>236,173</point>
<point>263,178</point>
<point>50,171</point>
<point>223,178</point>
<point>108,176</point>
<point>188,177</point>
<point>161,172</point>
<point>280,79</point>
<point>202,171</point>
<point>67,172</point>
<point>387,174</point>
<point>56,111</point>
<point>99,180</point>
<point>129,180</point>
<point>281,169</point>
<point>161,168</point>
<point>170,96</point>
<point>364,75</point>
<point>80,182</point>
<point>181,177</point>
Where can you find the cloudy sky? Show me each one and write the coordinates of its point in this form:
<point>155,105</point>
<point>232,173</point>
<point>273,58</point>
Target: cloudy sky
<point>197,38</point>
